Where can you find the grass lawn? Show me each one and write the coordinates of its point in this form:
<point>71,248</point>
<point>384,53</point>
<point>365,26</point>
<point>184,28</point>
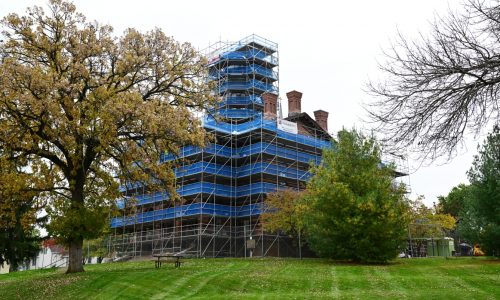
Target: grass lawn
<point>457,278</point>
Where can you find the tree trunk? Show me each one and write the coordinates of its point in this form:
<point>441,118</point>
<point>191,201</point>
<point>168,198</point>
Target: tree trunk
<point>75,264</point>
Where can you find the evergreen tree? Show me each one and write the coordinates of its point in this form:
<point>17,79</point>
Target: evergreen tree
<point>454,202</point>
<point>19,241</point>
<point>356,212</point>
<point>480,220</point>
<point>19,207</point>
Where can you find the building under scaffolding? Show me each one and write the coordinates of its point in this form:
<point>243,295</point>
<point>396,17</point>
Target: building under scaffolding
<point>222,186</point>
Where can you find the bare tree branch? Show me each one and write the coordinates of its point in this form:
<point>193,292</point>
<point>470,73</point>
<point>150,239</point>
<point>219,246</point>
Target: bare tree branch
<point>441,87</point>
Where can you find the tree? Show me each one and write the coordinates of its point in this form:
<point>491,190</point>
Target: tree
<point>94,110</point>
<point>440,87</point>
<point>428,222</point>
<point>19,244</point>
<point>96,248</point>
<point>19,238</point>
<point>285,212</point>
<point>481,217</point>
<point>454,202</point>
<point>355,211</point>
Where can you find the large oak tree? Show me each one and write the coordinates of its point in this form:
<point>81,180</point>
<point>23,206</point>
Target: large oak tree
<point>94,109</point>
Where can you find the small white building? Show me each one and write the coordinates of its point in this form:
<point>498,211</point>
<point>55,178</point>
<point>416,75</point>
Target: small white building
<point>5,268</point>
<point>50,255</point>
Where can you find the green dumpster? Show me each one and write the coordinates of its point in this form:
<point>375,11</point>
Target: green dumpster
<point>440,247</point>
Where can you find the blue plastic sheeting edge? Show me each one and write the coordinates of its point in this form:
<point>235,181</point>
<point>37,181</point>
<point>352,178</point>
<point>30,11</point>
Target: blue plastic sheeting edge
<point>235,172</point>
<point>258,123</point>
<point>243,171</point>
<point>237,113</point>
<point>246,55</point>
<point>243,70</point>
<point>189,210</point>
<point>247,85</point>
<point>241,100</point>
<point>245,151</point>
<point>220,190</point>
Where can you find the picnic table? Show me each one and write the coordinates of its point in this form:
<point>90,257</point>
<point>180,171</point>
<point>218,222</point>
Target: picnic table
<point>176,259</point>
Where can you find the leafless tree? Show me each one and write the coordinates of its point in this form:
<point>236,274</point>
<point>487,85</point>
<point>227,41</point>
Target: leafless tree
<point>441,85</point>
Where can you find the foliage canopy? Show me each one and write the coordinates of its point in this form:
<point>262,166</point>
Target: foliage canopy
<point>428,222</point>
<point>455,201</point>
<point>284,212</point>
<point>88,108</point>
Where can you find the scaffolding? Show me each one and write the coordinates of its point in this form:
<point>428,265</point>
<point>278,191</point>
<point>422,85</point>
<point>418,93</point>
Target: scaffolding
<point>222,186</point>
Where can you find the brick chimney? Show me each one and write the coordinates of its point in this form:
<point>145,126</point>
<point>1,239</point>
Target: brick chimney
<point>294,102</point>
<point>321,117</point>
<point>270,102</point>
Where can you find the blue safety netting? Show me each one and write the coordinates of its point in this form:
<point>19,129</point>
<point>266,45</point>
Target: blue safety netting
<point>237,113</point>
<point>243,70</point>
<point>235,172</point>
<point>243,171</point>
<point>252,149</point>
<point>259,122</point>
<point>252,84</point>
<point>251,54</point>
<point>241,100</point>
<point>216,189</point>
<point>189,210</point>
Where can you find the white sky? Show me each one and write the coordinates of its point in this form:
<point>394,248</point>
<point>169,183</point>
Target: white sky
<point>328,50</point>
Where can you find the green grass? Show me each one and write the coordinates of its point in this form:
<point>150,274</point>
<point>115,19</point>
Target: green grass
<point>461,278</point>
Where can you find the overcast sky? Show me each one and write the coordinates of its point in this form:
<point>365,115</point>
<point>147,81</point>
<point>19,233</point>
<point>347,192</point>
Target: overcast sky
<point>327,50</point>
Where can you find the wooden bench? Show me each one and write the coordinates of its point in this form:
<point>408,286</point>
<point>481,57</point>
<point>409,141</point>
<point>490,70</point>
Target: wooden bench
<point>158,262</point>
<point>176,259</point>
